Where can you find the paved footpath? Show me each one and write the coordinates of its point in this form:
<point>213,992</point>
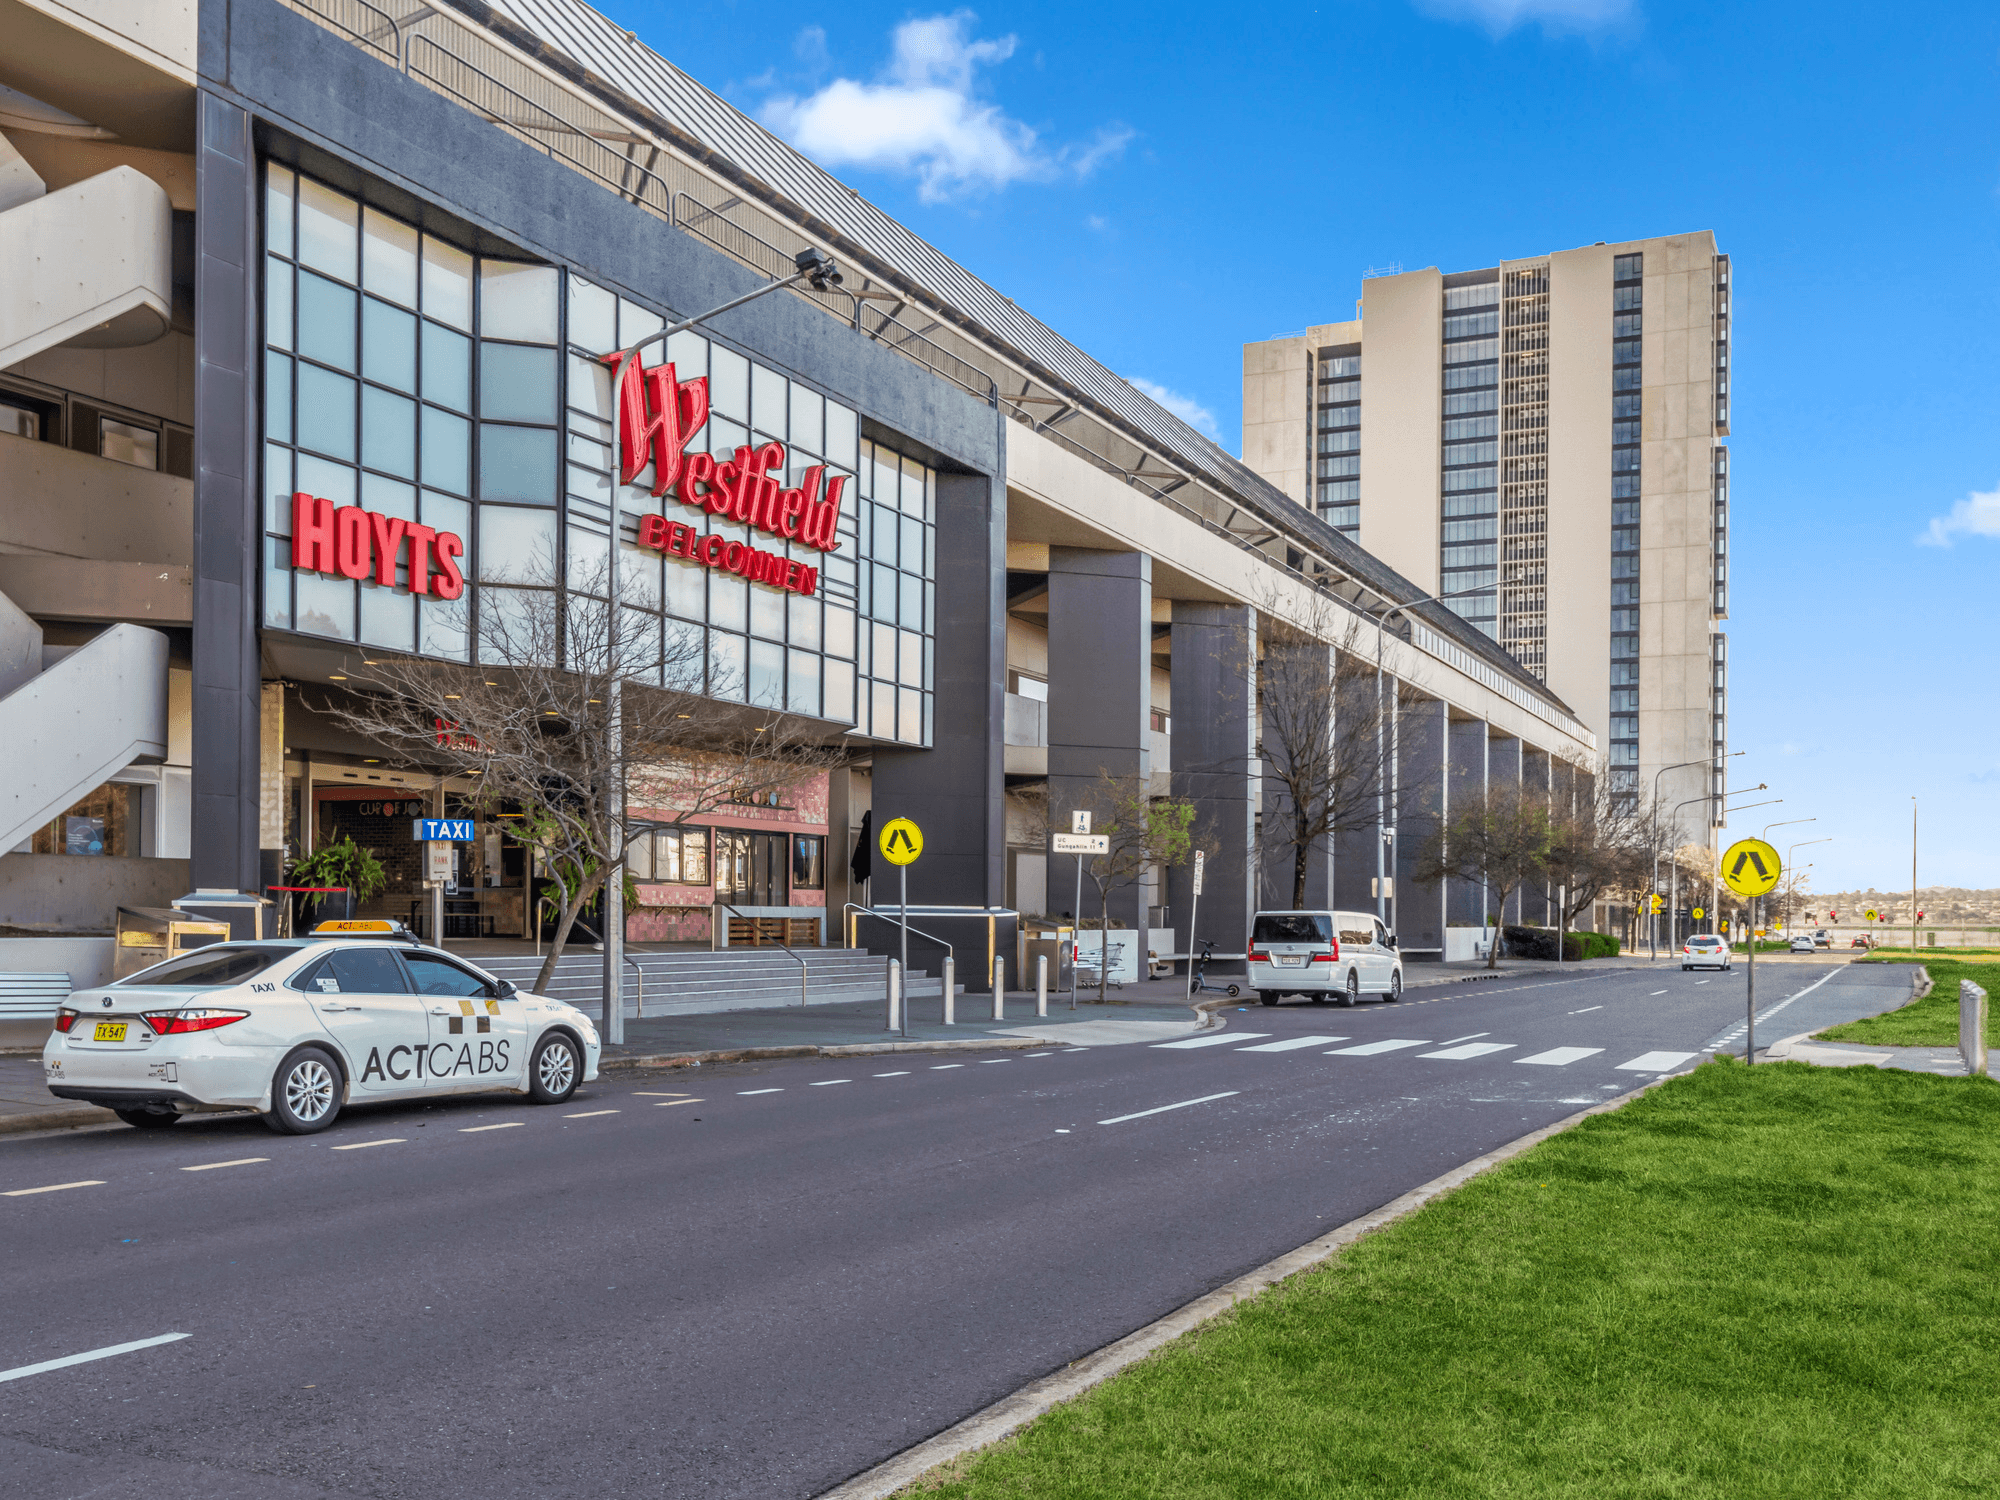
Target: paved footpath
<point>745,1280</point>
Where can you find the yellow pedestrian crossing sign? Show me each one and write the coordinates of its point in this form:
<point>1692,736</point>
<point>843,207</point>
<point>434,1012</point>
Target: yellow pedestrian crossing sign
<point>1656,903</point>
<point>1750,867</point>
<point>1699,913</point>
<point>902,841</point>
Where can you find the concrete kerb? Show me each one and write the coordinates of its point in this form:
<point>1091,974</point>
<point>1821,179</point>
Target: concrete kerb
<point>75,1117</point>
<point>1011,1413</point>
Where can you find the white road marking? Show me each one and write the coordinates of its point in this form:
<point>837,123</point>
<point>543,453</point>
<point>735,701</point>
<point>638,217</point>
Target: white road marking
<point>656,1094</point>
<point>1215,1041</point>
<point>904,1074</point>
<point>1291,1042</point>
<point>746,1093</point>
<point>78,1359</point>
<point>1470,1036</point>
<point>827,1083</point>
<point>54,1187</point>
<point>1701,981</point>
<point>394,1140</point>
<point>669,1104</point>
<point>1369,1049</point>
<point>505,1125</point>
<point>1469,1050</point>
<point>940,1067</point>
<point>1034,1054</point>
<point>1656,1062</point>
<point>1586,1010</point>
<point>241,1161</point>
<point>1560,1057</point>
<point>1204,1099</point>
<point>1656,992</point>
<point>591,1114</point>
<point>985,1060</point>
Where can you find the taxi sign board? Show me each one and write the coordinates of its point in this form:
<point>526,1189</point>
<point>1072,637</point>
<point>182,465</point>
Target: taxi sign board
<point>1080,843</point>
<point>902,841</point>
<point>1750,867</point>
<point>431,830</point>
<point>378,925</point>
<point>440,862</point>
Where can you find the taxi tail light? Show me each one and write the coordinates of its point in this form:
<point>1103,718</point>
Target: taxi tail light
<point>65,1019</point>
<point>180,1022</point>
<point>1256,958</point>
<point>1324,958</point>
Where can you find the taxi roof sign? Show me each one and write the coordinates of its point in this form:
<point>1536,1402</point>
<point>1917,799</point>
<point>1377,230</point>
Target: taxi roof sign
<point>365,927</point>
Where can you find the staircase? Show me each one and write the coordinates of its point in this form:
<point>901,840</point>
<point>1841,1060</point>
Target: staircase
<point>690,982</point>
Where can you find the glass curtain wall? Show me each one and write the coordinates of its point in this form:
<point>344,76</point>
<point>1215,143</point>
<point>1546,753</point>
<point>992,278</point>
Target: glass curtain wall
<point>463,393</point>
<point>1339,439</point>
<point>1469,464</point>
<point>1627,297</point>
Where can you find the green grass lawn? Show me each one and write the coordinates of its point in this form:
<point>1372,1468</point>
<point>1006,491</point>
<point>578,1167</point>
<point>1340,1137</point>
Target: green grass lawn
<point>1780,1281</point>
<point>1933,1020</point>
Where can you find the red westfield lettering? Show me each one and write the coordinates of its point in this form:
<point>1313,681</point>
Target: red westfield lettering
<point>658,418</point>
<point>355,543</point>
<point>712,551</point>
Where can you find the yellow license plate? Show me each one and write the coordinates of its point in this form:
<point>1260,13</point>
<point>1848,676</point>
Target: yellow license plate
<point>110,1031</point>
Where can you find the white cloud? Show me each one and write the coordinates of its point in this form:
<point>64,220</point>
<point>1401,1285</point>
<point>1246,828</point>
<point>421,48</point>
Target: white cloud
<point>1186,408</point>
<point>922,118</point>
<point>1976,515</point>
<point>1502,16</point>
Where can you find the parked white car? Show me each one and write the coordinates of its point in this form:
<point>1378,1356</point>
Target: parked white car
<point>1323,953</point>
<point>1704,951</point>
<point>297,1029</point>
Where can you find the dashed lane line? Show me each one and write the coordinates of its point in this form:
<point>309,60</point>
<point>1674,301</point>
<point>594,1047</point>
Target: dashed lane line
<point>54,1187</point>
<point>591,1114</point>
<point>1162,1109</point>
<point>1586,1010</point>
<point>393,1140</point>
<point>903,1073</point>
<point>827,1083</point>
<point>503,1125</point>
<point>746,1093</point>
<point>22,1371</point>
<point>241,1161</point>
<point>940,1067</point>
<point>670,1103</point>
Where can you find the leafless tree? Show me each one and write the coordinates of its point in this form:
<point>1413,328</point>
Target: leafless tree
<point>532,720</point>
<point>1599,845</point>
<point>1499,838</point>
<point>1324,713</point>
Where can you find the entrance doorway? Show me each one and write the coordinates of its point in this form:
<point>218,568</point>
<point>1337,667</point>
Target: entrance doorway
<point>750,868</point>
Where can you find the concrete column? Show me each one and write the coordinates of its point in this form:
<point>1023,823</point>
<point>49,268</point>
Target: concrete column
<point>1215,738</point>
<point>223,841</point>
<point>955,790</point>
<point>1537,901</point>
<point>1421,735</point>
<point>1504,769</point>
<point>1354,852</point>
<point>1100,675</point>
<point>1465,784</point>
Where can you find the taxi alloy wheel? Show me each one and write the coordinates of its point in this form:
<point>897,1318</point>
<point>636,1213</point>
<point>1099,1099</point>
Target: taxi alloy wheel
<point>555,1070</point>
<point>1395,987</point>
<point>1352,995</point>
<point>305,1093</point>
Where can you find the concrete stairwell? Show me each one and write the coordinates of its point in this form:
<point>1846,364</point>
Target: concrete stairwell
<point>73,717</point>
<point>90,266</point>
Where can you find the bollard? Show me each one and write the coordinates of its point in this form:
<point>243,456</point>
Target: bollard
<point>999,988</point>
<point>895,989</point>
<point>950,997</point>
<point>1042,985</point>
<point>1972,1027</point>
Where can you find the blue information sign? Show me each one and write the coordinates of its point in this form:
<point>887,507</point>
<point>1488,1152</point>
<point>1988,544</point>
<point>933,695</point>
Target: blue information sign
<point>450,830</point>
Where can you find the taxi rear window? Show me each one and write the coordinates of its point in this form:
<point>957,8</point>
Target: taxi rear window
<point>1292,927</point>
<point>209,968</point>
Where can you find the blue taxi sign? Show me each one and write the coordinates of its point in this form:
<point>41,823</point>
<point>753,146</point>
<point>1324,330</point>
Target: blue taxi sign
<point>445,830</point>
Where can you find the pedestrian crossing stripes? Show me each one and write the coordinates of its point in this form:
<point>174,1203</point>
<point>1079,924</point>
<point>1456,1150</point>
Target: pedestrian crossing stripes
<point>1460,1049</point>
<point>1370,1049</point>
<point>1292,1043</point>
<point>1560,1057</point>
<point>1470,1050</point>
<point>1655,1062</point>
<point>1216,1039</point>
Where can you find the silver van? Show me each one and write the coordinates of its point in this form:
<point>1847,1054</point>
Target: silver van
<point>1319,954</point>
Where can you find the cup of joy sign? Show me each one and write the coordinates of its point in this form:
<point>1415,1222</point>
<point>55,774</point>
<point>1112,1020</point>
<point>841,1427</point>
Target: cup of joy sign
<point>658,417</point>
<point>354,543</point>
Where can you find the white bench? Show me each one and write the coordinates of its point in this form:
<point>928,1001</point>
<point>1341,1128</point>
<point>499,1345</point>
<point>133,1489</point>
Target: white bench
<point>32,997</point>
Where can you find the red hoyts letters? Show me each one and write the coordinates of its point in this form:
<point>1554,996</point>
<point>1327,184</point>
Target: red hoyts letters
<point>354,543</point>
<point>658,418</point>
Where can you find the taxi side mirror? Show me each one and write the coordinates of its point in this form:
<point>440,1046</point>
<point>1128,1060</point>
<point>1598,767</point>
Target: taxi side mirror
<point>1392,940</point>
<point>505,989</point>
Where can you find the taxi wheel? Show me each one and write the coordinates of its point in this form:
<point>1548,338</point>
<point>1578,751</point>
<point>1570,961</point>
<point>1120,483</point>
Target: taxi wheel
<point>305,1093</point>
<point>148,1119</point>
<point>1267,997</point>
<point>1395,987</point>
<point>1352,994</point>
<point>555,1070</point>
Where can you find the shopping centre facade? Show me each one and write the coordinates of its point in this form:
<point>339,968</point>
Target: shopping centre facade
<point>349,401</point>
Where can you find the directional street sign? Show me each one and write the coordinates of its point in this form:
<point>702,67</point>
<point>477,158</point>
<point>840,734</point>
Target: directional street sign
<point>1750,867</point>
<point>902,841</point>
<point>1079,822</point>
<point>1080,843</point>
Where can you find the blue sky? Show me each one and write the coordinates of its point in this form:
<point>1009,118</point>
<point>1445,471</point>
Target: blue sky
<point>1161,184</point>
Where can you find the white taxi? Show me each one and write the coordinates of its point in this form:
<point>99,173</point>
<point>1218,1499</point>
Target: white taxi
<point>295,1029</point>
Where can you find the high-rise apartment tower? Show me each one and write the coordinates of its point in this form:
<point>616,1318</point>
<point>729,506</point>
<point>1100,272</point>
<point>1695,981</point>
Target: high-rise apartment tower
<point>1541,443</point>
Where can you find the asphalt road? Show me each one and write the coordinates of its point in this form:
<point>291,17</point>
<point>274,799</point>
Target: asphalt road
<point>754,1280</point>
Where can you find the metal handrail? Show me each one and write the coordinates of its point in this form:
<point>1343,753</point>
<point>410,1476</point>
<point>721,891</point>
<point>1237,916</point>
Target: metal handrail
<point>640,997</point>
<point>795,958</point>
<point>869,911</point>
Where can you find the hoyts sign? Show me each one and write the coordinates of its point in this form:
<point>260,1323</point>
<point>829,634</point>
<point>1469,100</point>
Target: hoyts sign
<point>355,543</point>
<point>658,417</point>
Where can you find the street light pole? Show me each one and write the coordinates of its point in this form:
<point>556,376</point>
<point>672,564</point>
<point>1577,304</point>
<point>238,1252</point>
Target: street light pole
<point>1913,875</point>
<point>818,268</point>
<point>1679,766</point>
<point>1802,844</point>
<point>1673,900</point>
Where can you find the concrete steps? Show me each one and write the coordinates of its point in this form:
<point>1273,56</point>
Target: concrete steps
<point>689,983</point>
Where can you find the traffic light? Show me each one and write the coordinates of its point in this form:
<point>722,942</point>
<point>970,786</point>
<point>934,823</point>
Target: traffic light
<point>1920,916</point>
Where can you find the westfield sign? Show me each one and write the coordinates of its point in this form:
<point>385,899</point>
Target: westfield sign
<point>658,417</point>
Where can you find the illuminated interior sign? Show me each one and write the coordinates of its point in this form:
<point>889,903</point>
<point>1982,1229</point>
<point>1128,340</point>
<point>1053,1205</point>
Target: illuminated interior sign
<point>658,417</point>
<point>355,543</point>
